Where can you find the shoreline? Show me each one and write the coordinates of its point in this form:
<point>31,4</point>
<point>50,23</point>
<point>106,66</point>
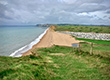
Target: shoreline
<point>22,50</point>
<point>53,38</point>
<point>33,47</point>
<point>37,45</point>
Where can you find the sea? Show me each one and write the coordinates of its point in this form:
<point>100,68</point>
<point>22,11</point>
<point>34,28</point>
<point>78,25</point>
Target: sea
<point>17,39</point>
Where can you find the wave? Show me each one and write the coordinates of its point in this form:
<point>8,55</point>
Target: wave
<point>19,52</point>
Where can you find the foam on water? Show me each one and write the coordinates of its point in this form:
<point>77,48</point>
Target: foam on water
<point>19,52</point>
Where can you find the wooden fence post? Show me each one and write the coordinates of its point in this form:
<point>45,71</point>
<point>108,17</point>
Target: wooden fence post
<point>91,50</point>
<point>79,47</point>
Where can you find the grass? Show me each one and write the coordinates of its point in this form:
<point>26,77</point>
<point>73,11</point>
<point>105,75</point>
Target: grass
<point>100,47</point>
<point>96,29</point>
<point>75,66</point>
<point>104,42</point>
<point>23,68</point>
<point>70,66</point>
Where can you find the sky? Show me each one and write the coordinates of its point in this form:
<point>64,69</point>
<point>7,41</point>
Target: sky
<point>95,12</point>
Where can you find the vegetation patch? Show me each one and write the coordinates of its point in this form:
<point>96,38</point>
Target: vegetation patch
<point>73,65</point>
<point>96,29</point>
<point>104,42</point>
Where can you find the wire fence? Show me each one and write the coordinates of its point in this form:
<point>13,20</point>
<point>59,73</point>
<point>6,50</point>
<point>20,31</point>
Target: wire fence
<point>94,49</point>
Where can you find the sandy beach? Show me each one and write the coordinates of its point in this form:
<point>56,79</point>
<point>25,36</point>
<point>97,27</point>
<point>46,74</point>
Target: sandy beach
<point>53,38</point>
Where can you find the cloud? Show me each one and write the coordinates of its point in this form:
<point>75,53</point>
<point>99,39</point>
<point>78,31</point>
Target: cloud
<point>54,11</point>
<point>108,11</point>
<point>90,7</point>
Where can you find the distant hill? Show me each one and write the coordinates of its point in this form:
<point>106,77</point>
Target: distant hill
<point>43,25</point>
<point>47,25</point>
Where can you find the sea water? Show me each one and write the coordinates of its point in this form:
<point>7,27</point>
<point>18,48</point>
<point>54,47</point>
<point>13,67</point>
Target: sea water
<point>15,40</point>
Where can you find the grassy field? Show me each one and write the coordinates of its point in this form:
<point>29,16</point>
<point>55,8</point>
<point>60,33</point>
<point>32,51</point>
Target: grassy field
<point>100,50</point>
<point>97,29</point>
<point>23,68</point>
<point>55,63</point>
<point>100,47</point>
<point>103,42</point>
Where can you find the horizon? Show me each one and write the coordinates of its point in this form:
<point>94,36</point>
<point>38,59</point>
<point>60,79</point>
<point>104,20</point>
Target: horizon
<point>82,12</point>
<point>53,24</point>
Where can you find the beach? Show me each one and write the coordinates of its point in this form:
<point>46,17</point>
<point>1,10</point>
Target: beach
<point>53,38</point>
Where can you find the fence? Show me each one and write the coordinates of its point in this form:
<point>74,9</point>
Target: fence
<point>93,48</point>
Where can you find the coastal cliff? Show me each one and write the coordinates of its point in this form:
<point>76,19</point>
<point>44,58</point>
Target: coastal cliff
<point>43,25</point>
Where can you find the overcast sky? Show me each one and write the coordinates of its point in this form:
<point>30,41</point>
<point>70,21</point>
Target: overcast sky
<point>95,12</point>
